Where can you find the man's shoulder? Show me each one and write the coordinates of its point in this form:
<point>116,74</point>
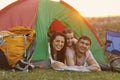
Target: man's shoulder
<point>89,53</point>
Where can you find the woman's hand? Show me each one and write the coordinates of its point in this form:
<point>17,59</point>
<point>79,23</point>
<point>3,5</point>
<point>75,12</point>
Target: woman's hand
<point>57,64</point>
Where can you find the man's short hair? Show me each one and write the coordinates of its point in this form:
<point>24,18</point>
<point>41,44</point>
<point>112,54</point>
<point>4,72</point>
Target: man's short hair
<point>85,38</point>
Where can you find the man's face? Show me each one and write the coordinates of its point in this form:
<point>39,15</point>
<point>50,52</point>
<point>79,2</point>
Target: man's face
<point>83,46</point>
<point>70,37</point>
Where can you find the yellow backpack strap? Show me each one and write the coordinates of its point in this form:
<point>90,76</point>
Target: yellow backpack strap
<point>2,35</point>
<point>25,53</point>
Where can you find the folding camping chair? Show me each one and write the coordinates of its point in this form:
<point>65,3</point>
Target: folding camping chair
<point>113,42</point>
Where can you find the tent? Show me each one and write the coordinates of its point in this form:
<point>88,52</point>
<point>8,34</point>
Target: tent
<point>45,15</point>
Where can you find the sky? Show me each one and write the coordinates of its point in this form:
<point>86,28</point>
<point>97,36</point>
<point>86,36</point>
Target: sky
<point>88,8</point>
<point>4,3</point>
<point>96,7</point>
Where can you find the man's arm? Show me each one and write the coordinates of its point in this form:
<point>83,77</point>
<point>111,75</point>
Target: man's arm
<point>92,63</point>
<point>94,67</point>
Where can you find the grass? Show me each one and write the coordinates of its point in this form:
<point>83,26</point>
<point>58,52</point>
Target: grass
<point>49,74</point>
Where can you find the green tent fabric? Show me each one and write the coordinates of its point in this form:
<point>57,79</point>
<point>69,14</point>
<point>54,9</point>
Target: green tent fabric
<point>48,11</point>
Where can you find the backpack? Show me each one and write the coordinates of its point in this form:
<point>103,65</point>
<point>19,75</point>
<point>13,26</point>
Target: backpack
<point>16,48</point>
<point>104,66</point>
<point>115,65</point>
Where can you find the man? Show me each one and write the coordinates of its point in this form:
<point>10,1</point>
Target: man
<point>79,54</point>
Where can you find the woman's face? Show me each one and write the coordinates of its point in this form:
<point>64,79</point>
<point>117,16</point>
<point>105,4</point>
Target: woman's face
<point>58,43</point>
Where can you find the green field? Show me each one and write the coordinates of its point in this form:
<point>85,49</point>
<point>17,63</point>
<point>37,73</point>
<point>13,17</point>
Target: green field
<point>49,74</point>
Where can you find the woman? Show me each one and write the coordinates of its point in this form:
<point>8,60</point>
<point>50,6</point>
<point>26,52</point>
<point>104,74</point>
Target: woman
<point>57,49</point>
